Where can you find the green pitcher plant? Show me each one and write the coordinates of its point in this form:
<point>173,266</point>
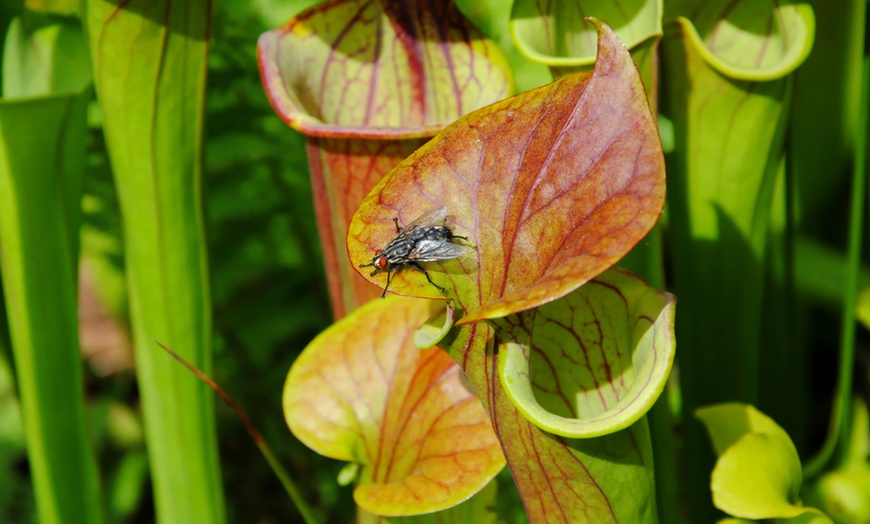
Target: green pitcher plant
<point>548,190</point>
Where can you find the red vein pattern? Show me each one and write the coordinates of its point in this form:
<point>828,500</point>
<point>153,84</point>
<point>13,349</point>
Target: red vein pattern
<point>365,68</point>
<point>552,187</point>
<point>362,392</point>
<point>560,480</point>
<point>592,362</point>
<point>368,81</point>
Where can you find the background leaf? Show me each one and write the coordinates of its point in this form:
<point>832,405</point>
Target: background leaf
<point>42,156</point>
<point>758,473</point>
<point>555,33</point>
<point>757,477</point>
<point>149,62</point>
<point>751,40</point>
<point>368,82</point>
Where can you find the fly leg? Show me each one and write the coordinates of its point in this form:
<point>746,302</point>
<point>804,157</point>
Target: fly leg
<point>398,229</point>
<point>389,276</point>
<point>419,268</point>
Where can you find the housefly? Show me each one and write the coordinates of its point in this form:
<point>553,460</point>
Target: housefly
<point>426,239</point>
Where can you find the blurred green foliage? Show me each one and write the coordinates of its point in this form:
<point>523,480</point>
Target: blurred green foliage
<point>268,288</point>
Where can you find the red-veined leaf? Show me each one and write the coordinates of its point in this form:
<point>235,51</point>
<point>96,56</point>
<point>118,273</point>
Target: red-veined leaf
<point>600,480</point>
<point>362,392</point>
<point>592,362</point>
<point>551,187</point>
<point>367,82</point>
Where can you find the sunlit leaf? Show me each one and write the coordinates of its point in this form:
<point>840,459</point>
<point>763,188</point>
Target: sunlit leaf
<point>596,360</point>
<point>362,392</point>
<point>758,473</point>
<point>551,188</point>
<point>554,33</point>
<point>757,477</point>
<point>751,39</point>
<point>596,480</point>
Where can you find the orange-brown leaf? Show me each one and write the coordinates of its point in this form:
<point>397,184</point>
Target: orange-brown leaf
<point>362,392</point>
<point>551,187</point>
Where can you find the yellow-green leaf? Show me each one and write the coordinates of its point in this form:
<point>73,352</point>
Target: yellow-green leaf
<point>362,392</point>
<point>593,362</point>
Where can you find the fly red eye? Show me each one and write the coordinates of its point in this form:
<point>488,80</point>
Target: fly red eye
<point>378,251</point>
<point>381,262</point>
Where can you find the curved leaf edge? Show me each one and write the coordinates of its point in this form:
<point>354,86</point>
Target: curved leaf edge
<point>622,414</point>
<point>431,332</point>
<point>794,58</point>
<point>379,498</point>
<point>579,61</point>
<point>502,308</point>
<point>293,115</point>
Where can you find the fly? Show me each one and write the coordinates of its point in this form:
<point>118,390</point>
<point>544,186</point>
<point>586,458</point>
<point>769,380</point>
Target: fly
<point>426,239</point>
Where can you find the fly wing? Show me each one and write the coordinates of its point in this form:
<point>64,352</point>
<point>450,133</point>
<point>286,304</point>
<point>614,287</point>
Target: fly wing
<point>433,250</point>
<point>433,217</point>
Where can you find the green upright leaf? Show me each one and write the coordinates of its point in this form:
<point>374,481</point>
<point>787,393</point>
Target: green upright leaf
<point>728,87</point>
<point>150,61</point>
<point>42,146</point>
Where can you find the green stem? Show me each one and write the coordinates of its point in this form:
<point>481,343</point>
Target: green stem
<point>661,423</point>
<point>287,481</point>
<point>840,423</point>
<point>41,161</point>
